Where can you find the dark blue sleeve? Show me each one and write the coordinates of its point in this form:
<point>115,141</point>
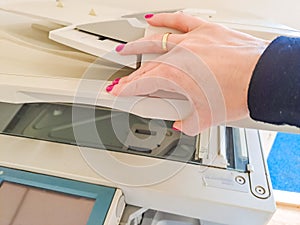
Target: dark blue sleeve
<point>274,89</point>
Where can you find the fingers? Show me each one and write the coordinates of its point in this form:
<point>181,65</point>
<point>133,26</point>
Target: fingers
<point>148,81</point>
<point>188,126</point>
<point>193,124</point>
<point>134,85</point>
<point>141,71</point>
<point>140,87</point>
<point>178,21</point>
<point>153,44</point>
<point>161,66</point>
<point>149,45</point>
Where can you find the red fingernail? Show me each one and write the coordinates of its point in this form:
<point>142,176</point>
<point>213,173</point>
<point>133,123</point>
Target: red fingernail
<point>109,88</point>
<point>120,47</point>
<point>116,81</point>
<point>148,16</point>
<point>175,129</point>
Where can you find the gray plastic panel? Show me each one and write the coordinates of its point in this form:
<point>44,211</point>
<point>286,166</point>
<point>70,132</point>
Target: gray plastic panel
<point>115,130</point>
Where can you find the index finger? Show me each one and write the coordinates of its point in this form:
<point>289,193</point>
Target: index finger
<point>178,21</point>
<point>150,44</point>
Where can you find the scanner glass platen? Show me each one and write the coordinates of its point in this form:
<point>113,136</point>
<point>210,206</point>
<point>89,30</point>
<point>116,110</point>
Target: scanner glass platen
<point>113,130</point>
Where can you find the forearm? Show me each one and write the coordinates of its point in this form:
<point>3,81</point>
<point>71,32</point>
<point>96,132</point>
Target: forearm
<point>274,90</point>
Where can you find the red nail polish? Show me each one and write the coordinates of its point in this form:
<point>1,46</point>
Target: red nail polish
<point>116,81</point>
<point>148,16</point>
<point>175,129</point>
<point>109,88</point>
<point>120,47</point>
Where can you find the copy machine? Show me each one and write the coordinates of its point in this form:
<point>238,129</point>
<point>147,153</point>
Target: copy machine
<point>73,154</point>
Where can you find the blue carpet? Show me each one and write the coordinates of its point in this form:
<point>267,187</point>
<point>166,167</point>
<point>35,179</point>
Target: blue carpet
<point>284,162</point>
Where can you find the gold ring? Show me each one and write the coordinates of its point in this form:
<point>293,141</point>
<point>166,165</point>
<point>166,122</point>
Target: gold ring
<point>164,41</point>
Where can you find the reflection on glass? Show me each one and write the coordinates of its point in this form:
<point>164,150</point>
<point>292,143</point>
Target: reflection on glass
<point>20,204</point>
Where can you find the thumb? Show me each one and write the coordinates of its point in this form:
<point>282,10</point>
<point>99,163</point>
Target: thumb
<point>192,125</point>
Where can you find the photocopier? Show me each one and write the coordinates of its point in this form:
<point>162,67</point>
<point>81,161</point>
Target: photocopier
<point>71,153</point>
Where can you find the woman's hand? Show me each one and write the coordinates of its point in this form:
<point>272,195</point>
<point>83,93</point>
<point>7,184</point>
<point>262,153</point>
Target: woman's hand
<point>209,64</point>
